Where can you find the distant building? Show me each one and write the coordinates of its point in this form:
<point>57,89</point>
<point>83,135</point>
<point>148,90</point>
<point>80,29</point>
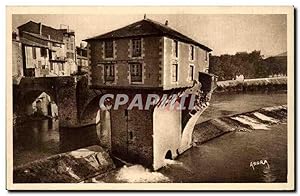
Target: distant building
<point>146,57</point>
<point>81,58</point>
<point>46,51</point>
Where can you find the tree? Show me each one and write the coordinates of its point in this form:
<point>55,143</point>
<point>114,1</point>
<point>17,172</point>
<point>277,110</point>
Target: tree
<point>251,65</point>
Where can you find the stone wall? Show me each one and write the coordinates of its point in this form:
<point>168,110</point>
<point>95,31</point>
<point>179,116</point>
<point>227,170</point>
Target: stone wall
<point>166,135</point>
<point>150,60</point>
<point>17,62</point>
<point>77,103</point>
<point>131,135</point>
<point>71,167</point>
<point>184,62</point>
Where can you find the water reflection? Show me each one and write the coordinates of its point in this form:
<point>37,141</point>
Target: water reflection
<point>224,159</point>
<point>228,158</point>
<point>42,138</point>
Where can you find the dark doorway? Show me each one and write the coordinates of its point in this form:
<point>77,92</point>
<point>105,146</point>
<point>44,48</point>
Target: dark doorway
<point>168,155</point>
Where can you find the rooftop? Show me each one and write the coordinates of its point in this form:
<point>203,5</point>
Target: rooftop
<point>147,27</point>
<point>39,29</point>
<point>43,37</point>
<point>32,43</point>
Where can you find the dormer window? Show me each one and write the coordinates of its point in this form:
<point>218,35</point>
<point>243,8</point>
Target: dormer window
<point>136,47</point>
<point>109,49</point>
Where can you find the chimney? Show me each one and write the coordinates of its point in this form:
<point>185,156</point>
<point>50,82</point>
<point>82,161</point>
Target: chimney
<point>14,35</point>
<point>166,23</point>
<point>145,17</point>
<point>81,45</point>
<point>40,28</point>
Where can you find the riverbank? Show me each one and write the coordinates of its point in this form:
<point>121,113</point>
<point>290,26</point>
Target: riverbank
<point>71,167</point>
<point>258,84</point>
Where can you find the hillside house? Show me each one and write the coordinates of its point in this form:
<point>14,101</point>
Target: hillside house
<point>46,51</point>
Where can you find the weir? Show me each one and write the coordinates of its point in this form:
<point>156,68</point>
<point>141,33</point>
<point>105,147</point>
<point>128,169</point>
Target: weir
<point>246,122</point>
<point>276,83</point>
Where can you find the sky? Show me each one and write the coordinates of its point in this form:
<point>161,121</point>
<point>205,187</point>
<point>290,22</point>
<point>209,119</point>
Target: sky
<point>225,34</point>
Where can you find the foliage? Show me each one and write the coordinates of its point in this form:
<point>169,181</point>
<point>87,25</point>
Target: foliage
<point>251,65</point>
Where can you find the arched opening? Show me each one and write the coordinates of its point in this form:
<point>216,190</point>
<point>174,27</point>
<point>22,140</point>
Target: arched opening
<point>168,155</point>
<point>91,112</point>
<point>36,131</point>
<point>34,104</point>
<point>98,119</point>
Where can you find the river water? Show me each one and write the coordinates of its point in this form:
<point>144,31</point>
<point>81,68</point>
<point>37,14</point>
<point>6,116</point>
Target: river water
<point>224,159</point>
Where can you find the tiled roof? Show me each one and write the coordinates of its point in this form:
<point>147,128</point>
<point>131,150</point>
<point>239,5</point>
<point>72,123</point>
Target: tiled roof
<point>43,38</point>
<point>147,27</point>
<point>32,43</point>
<point>34,27</point>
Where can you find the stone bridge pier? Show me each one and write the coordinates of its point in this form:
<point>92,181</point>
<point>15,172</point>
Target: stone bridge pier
<point>144,136</point>
<point>71,95</point>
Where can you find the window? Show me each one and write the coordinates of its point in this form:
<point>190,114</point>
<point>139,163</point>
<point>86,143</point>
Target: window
<point>174,72</point>
<point>50,54</point>
<point>39,64</point>
<point>136,72</point>
<point>68,46</point>
<point>130,136</point>
<point>71,46</point>
<point>176,48</point>
<point>84,53</point>
<point>191,52</point>
<point>206,55</point>
<point>191,73</point>
<point>33,52</point>
<point>43,52</point>
<point>109,72</point>
<point>70,55</point>
<point>136,48</point>
<point>51,67</point>
<point>109,49</point>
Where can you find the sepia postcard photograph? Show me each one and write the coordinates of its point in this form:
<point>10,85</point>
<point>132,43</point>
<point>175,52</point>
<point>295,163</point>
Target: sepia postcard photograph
<point>150,98</point>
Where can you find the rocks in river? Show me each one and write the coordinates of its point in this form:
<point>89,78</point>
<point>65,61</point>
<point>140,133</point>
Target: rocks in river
<point>246,122</point>
<point>70,167</point>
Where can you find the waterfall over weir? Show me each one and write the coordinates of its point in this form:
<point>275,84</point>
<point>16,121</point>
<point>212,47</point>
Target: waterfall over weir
<point>260,119</point>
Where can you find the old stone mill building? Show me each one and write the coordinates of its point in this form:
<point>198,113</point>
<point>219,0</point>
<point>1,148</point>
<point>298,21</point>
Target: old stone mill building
<point>144,58</point>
